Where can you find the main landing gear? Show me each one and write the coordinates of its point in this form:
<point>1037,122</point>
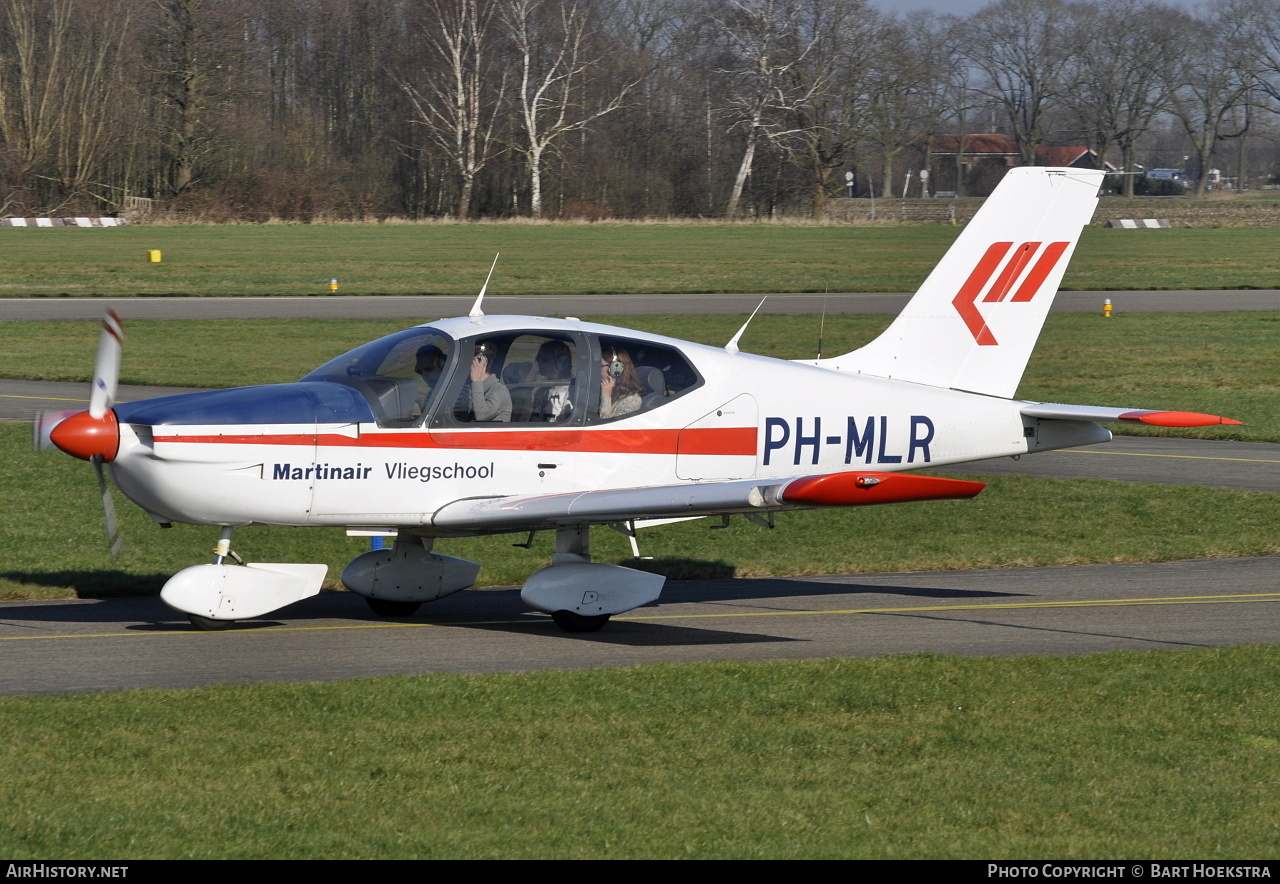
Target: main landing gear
<point>571,621</point>
<point>390,608</point>
<point>581,595</point>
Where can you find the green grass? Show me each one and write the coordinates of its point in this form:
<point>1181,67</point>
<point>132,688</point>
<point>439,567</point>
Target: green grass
<point>51,532</point>
<point>581,259</point>
<point>1119,756</point>
<point>1219,363</point>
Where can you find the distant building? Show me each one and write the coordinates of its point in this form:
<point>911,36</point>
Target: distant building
<point>985,156</point>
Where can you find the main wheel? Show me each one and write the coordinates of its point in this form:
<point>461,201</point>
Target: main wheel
<point>208,624</point>
<point>572,621</point>
<point>390,608</point>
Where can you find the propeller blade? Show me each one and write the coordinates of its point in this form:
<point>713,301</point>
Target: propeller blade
<point>115,539</point>
<point>106,369</point>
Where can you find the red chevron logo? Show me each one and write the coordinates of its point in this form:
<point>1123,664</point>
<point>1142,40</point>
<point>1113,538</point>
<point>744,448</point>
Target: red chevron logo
<point>1010,270</point>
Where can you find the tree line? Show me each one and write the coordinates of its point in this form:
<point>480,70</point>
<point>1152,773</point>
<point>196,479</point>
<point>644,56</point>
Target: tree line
<point>352,109</point>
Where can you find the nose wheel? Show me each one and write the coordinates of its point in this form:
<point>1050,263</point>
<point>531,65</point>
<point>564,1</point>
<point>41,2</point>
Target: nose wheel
<point>207,624</point>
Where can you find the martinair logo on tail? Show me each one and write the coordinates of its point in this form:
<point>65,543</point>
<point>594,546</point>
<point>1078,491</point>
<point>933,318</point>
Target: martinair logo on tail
<point>966,299</point>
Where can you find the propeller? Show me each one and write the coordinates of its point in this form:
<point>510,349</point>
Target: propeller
<point>92,435</point>
<point>115,538</point>
<point>106,369</point>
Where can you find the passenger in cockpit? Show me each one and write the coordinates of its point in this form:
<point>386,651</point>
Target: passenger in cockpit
<point>619,385</point>
<point>554,363</point>
<point>490,399</point>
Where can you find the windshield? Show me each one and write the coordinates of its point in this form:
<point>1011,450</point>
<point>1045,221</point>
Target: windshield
<point>399,375</point>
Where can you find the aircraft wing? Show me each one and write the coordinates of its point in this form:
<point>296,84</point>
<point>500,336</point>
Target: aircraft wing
<point>702,499</point>
<point>1052,411</point>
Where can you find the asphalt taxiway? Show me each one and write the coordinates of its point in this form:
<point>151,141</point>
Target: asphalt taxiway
<point>429,307</point>
<point>92,645</point>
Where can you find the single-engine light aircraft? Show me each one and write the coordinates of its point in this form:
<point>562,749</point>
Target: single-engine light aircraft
<point>504,424</point>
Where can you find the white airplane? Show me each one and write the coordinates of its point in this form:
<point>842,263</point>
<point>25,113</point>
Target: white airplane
<point>503,424</point>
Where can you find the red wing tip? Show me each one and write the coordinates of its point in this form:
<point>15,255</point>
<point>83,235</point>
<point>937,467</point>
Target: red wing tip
<point>864,489</point>
<point>1178,419</point>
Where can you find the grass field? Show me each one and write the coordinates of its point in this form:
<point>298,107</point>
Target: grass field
<point>1121,756</point>
<point>581,259</point>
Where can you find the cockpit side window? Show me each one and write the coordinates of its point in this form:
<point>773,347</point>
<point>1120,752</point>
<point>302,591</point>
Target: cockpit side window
<point>518,378</point>
<point>636,376</point>
<point>401,376</point>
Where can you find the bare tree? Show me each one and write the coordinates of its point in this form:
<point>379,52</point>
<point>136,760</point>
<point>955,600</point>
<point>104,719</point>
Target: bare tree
<point>559,90</point>
<point>1209,80</point>
<point>93,89</point>
<point>33,58</point>
<point>767,87</point>
<point>1118,88</point>
<point>1023,48</point>
<point>460,105</point>
<point>831,88</point>
<point>908,87</point>
<point>1260,31</point>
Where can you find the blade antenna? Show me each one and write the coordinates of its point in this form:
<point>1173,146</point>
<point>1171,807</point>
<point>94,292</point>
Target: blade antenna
<point>476,312</point>
<point>732,346</point>
<point>822,323</point>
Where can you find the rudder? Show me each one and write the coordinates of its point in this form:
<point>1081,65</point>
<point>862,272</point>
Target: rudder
<point>973,323</point>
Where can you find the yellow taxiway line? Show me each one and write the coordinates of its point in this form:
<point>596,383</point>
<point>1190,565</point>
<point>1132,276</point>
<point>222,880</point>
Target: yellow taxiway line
<point>42,398</point>
<point>1175,456</point>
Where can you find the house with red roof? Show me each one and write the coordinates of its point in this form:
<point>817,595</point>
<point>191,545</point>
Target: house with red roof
<point>983,157</point>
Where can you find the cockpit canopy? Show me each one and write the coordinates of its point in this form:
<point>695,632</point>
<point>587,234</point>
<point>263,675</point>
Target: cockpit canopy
<point>534,376</point>
<point>383,371</point>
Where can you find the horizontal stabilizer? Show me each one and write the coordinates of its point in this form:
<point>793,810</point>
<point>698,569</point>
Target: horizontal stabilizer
<point>1051,411</point>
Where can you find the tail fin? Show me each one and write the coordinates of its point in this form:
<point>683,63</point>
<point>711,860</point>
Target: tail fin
<point>974,322</point>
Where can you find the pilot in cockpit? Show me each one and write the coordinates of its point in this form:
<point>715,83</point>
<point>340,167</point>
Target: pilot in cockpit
<point>428,364</point>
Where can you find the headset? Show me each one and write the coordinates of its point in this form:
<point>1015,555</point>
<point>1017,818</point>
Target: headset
<point>561,356</point>
<point>615,368</point>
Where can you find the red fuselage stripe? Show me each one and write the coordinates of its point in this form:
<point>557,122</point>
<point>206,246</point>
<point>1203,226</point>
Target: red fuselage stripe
<point>731,441</point>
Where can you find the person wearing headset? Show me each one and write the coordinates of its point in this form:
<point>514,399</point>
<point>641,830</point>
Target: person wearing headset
<point>428,364</point>
<point>554,363</point>
<point>620,387</point>
<point>490,398</point>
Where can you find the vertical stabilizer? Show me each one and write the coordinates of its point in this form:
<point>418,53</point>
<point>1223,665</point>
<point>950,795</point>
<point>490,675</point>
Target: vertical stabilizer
<point>974,322</point>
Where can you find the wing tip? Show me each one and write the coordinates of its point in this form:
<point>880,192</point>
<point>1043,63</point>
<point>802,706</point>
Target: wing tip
<point>1178,419</point>
<point>868,488</point>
